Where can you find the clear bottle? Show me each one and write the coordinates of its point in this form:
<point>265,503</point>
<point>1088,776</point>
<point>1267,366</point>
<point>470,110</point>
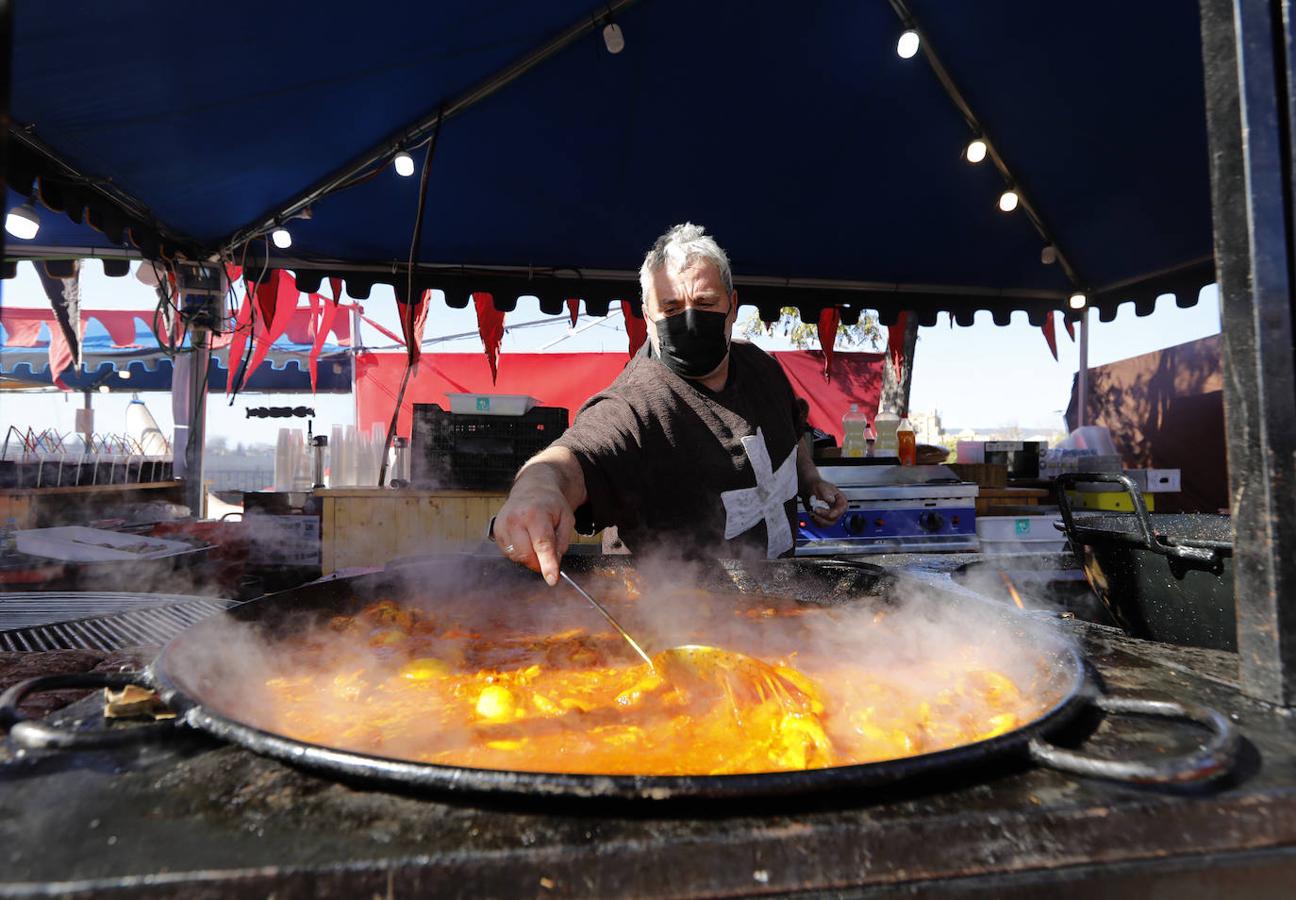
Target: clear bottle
<point>854,431</point>
<point>906,443</point>
<point>886,423</point>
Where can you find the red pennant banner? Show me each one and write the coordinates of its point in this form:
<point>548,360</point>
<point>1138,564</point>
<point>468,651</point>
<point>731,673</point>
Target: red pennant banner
<point>1070,327</point>
<point>490,325</point>
<point>573,310</point>
<point>1050,334</point>
<point>276,300</point>
<point>322,329</point>
<point>829,320</point>
<point>895,342</point>
<point>635,326</point>
<point>238,340</point>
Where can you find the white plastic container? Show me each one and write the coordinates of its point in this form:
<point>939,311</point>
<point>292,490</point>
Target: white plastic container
<point>1020,534</point>
<point>1156,481</point>
<point>491,404</point>
<point>76,543</point>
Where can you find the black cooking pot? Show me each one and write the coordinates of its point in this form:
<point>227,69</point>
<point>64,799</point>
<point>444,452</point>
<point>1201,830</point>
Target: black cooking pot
<point>1163,577</point>
<point>188,681</point>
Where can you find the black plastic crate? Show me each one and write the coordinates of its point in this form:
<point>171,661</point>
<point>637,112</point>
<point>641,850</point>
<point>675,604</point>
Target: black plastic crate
<point>449,450</point>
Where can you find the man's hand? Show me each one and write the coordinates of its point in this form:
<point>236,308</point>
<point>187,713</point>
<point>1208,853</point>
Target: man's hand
<point>535,525</point>
<point>534,528</point>
<point>825,502</point>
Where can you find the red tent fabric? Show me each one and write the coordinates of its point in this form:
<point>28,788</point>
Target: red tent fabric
<point>569,379</point>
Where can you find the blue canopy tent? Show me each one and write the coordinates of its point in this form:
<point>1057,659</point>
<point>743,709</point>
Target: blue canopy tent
<point>830,167</point>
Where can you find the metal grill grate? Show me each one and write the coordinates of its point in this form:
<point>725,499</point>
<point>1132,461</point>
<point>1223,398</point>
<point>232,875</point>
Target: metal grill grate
<point>125,620</point>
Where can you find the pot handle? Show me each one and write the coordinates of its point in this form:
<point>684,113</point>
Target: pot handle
<point>37,735</point>
<point>1149,540</point>
<point>1212,759</point>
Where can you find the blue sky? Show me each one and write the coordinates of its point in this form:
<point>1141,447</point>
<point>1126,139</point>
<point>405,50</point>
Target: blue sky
<point>981,376</point>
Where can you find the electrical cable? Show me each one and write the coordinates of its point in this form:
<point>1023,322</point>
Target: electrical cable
<point>408,312</point>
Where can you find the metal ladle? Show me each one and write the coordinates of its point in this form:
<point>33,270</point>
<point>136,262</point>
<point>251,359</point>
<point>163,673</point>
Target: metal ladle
<point>701,663</point>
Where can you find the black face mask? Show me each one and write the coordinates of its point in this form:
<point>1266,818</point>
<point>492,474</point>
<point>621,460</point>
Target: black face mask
<point>692,343</point>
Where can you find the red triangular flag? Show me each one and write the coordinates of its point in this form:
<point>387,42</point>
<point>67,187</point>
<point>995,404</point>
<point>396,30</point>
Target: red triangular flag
<point>276,299</point>
<point>490,325</point>
<point>323,325</point>
<point>573,310</point>
<point>636,327</point>
<point>829,320</point>
<point>1070,326</point>
<point>1050,333</point>
<point>413,316</point>
<point>238,340</point>
<point>895,343</point>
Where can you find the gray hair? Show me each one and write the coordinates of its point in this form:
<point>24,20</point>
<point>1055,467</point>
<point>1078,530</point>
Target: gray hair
<point>681,246</point>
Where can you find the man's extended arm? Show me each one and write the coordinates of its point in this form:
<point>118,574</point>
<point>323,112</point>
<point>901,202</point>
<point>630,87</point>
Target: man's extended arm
<point>538,518</point>
<point>811,484</point>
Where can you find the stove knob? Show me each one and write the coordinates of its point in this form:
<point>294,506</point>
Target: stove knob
<point>931,521</point>
<point>856,525</point>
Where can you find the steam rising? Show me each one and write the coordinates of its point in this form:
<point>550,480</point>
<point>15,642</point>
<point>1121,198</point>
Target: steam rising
<point>911,643</point>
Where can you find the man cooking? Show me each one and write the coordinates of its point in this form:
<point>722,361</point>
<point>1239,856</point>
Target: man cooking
<point>695,449</point>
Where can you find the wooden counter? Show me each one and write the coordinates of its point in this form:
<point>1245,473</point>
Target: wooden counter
<point>372,526</point>
<point>49,506</point>
<point>989,498</point>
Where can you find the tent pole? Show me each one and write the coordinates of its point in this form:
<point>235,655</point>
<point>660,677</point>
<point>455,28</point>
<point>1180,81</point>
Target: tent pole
<point>356,345</point>
<point>1250,65</point>
<point>195,488</point>
<point>1082,378</point>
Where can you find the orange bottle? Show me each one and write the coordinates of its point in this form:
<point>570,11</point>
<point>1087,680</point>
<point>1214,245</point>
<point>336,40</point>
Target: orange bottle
<point>906,443</point>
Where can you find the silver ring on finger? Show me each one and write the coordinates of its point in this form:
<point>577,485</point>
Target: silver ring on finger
<point>508,551</point>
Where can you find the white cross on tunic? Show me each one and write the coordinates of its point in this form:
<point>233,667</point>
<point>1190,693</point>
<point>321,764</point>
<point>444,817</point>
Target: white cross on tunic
<point>745,507</point>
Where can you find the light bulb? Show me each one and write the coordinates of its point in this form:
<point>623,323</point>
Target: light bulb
<point>976,150</point>
<point>907,46</point>
<point>23,222</point>
<point>1008,200</point>
<point>613,38</point>
<point>103,388</point>
<point>281,238</point>
<point>404,164</point>
<point>1048,255</point>
<point>1077,301</point>
<point>124,375</point>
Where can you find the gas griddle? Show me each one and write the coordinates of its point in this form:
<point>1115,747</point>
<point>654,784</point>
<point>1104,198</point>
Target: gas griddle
<point>894,509</point>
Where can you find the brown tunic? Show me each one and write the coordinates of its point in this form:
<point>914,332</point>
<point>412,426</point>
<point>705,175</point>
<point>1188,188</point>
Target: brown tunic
<point>680,468</point>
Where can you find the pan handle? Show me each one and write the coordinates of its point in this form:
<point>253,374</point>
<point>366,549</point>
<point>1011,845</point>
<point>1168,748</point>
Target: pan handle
<point>1210,760</point>
<point>1148,537</point>
<point>37,735</point>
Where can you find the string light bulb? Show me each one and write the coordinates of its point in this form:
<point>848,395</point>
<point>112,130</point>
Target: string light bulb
<point>103,389</point>
<point>976,151</point>
<point>907,46</point>
<point>404,164</point>
<point>1048,255</point>
<point>124,375</point>
<point>1008,200</point>
<point>613,39</point>
<point>23,222</point>
<point>281,238</point>
<point>1077,300</point>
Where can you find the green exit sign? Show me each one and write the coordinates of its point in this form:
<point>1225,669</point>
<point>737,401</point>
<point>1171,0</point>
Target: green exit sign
<point>483,404</point>
<point>1023,526</point>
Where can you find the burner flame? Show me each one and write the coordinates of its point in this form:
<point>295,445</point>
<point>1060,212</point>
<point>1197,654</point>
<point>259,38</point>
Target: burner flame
<point>1012,590</point>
